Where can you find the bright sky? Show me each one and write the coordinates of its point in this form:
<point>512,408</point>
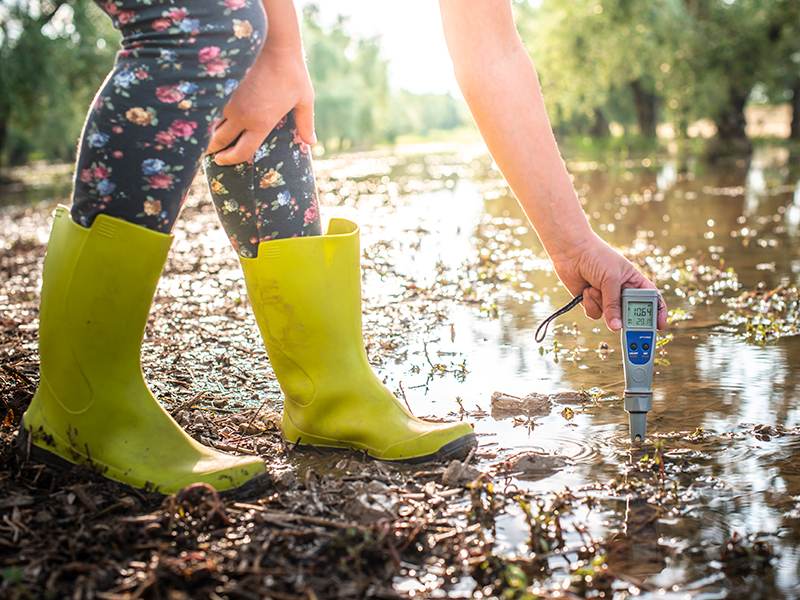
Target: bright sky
<point>411,39</point>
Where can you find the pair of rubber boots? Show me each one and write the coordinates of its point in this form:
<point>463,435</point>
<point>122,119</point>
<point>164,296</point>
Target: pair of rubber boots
<point>93,406</point>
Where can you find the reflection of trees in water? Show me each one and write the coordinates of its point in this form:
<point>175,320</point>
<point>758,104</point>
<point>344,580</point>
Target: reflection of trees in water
<point>635,548</point>
<point>756,384</point>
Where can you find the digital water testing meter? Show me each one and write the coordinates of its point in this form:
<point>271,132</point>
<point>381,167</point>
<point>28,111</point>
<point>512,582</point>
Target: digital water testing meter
<point>639,317</point>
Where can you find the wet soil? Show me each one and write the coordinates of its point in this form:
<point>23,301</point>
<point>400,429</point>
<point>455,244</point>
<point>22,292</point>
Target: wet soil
<point>320,527</point>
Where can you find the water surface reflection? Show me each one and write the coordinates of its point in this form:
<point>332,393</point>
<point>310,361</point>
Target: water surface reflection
<point>714,233</point>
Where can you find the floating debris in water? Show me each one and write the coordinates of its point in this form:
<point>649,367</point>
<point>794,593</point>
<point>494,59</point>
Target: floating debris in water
<point>744,554</point>
<point>767,314</point>
<point>533,466</point>
<point>691,279</point>
<point>604,350</point>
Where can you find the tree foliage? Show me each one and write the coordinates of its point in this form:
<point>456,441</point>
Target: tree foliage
<point>664,60</point>
<point>351,83</point>
<point>783,82</point>
<point>53,56</point>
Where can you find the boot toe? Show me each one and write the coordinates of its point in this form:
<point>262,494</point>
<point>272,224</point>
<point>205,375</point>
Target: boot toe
<point>439,443</point>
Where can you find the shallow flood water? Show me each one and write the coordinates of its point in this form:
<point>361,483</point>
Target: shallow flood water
<point>454,273</point>
<point>706,235</point>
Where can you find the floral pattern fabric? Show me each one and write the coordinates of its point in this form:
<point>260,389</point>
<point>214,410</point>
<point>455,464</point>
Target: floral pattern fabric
<point>272,196</point>
<point>150,123</point>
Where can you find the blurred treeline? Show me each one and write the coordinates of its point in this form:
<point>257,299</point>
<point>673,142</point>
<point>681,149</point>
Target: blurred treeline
<point>626,65</point>
<point>639,63</point>
<point>54,55</point>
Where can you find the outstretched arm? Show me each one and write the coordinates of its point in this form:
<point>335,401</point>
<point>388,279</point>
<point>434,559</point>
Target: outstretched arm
<point>501,88</point>
<point>277,83</point>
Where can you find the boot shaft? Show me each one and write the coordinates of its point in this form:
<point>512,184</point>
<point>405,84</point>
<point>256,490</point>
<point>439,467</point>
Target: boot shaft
<point>98,285</point>
<point>306,295</point>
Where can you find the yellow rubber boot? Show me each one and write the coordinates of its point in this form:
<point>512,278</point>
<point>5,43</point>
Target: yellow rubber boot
<point>92,406</point>
<point>306,296</point>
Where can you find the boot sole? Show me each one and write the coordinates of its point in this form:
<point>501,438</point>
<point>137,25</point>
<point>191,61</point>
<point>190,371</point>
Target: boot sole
<point>455,450</point>
<point>29,450</point>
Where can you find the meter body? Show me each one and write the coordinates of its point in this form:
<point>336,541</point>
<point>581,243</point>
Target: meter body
<point>639,317</point>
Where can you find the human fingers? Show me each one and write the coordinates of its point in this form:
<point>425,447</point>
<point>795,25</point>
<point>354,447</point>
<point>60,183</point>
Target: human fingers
<point>242,151</point>
<point>663,313</point>
<point>304,120</point>
<point>592,303</point>
<point>611,303</point>
<point>224,134</point>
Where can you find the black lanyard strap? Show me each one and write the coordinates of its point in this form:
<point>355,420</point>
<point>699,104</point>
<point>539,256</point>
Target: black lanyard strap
<point>541,331</point>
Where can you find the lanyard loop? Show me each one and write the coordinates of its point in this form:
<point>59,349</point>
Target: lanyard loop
<point>541,331</point>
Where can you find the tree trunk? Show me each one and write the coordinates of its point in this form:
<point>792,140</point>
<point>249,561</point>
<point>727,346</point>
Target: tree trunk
<point>795,131</point>
<point>731,139</point>
<point>599,129</point>
<point>4,115</point>
<point>645,104</point>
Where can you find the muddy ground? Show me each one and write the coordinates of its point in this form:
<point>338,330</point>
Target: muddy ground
<point>323,526</point>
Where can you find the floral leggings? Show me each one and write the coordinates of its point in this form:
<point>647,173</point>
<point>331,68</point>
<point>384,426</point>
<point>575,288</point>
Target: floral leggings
<point>272,197</point>
<point>151,121</point>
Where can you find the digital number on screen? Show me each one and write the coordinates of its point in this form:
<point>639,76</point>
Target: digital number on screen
<point>640,314</point>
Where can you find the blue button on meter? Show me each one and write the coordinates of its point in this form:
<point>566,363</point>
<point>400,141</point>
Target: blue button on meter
<point>639,344</point>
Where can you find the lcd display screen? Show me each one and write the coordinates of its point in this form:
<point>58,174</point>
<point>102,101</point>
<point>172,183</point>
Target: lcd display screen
<point>640,314</point>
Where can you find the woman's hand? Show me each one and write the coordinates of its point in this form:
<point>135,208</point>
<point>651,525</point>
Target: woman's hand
<point>601,273</point>
<point>277,83</point>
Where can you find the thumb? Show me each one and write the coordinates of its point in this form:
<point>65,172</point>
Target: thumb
<point>304,120</point>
